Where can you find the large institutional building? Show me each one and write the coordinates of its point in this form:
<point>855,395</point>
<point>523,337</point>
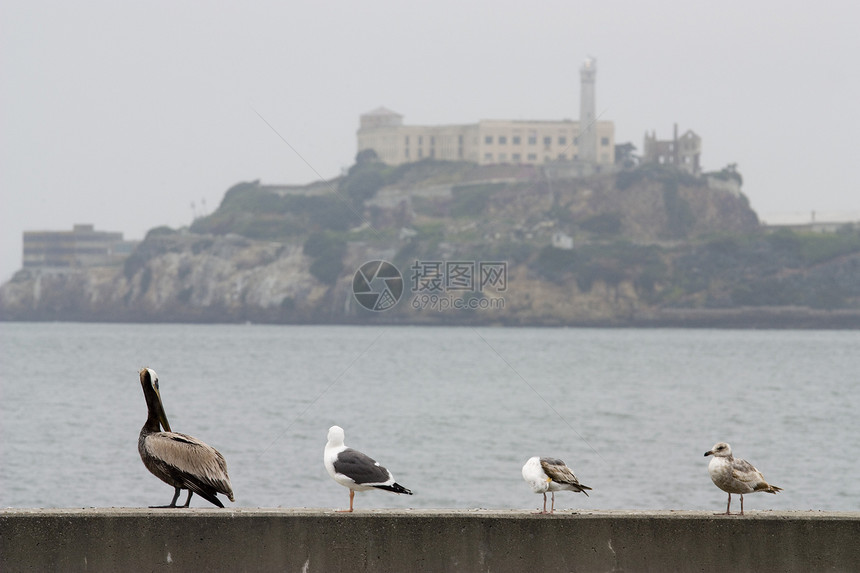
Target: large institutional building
<point>529,142</point>
<point>683,152</point>
<point>83,246</point>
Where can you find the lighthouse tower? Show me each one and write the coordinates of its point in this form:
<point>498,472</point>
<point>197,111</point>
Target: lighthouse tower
<point>587,116</point>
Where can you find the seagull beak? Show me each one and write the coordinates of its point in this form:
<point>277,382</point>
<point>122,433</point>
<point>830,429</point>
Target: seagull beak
<point>709,452</point>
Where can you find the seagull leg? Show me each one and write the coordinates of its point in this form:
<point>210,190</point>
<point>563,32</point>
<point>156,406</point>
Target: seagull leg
<point>188,499</point>
<point>552,510</point>
<point>728,505</point>
<point>742,504</point>
<point>351,496</point>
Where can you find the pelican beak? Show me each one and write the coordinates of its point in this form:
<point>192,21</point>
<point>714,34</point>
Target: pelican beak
<point>709,452</point>
<point>162,415</point>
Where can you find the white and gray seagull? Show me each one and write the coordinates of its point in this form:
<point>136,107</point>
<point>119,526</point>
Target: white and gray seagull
<point>735,475</point>
<point>551,475</point>
<point>355,470</point>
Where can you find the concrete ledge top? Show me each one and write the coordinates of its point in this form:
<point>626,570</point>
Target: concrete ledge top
<point>423,513</point>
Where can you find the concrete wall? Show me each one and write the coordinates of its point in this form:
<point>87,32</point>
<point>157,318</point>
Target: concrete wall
<point>402,541</point>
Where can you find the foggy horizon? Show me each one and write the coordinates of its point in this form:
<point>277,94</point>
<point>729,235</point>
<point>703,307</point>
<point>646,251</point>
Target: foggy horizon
<point>123,116</point>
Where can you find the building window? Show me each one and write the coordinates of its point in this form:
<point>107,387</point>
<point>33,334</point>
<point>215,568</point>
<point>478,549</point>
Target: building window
<point>547,141</point>
<point>516,158</point>
<point>503,156</point>
<point>533,140</point>
<point>562,140</point>
<point>406,153</point>
<point>406,140</point>
<point>488,139</point>
<point>516,140</point>
<point>532,156</point>
<point>604,141</point>
<point>488,157</point>
<point>503,139</point>
<point>562,156</point>
<point>432,141</point>
<point>420,153</point>
<point>420,140</point>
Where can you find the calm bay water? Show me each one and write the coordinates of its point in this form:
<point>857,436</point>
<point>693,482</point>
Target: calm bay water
<point>453,412</point>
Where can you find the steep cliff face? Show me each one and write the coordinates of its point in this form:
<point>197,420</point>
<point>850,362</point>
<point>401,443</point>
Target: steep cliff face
<point>175,278</point>
<point>192,278</point>
<point>650,247</point>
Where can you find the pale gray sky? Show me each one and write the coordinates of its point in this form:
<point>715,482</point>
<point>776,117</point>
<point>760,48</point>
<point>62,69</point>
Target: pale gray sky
<point>122,114</point>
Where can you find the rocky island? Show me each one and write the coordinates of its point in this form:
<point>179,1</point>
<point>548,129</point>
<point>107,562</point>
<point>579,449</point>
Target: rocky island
<point>644,246</point>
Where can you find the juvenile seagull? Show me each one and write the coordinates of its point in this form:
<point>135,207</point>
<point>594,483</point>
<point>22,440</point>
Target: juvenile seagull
<point>177,459</point>
<point>355,470</point>
<point>550,475</point>
<point>735,476</point>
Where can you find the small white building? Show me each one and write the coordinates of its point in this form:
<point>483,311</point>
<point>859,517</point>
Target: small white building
<point>562,241</point>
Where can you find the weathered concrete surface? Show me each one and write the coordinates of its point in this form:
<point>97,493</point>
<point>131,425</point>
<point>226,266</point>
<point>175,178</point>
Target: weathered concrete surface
<point>311,540</point>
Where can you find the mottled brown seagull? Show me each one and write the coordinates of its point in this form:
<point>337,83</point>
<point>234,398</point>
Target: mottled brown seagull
<point>551,475</point>
<point>734,475</point>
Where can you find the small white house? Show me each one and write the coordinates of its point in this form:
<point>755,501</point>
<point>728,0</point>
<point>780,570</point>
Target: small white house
<point>562,241</point>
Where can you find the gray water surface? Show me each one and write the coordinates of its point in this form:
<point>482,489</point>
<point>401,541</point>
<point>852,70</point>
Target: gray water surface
<point>454,413</point>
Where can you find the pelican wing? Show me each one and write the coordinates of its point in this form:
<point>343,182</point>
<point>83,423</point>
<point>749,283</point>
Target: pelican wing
<point>199,466</point>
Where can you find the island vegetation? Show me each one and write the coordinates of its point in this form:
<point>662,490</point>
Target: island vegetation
<point>643,245</point>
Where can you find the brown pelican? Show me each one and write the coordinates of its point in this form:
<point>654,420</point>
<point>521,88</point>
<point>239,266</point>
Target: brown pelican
<point>733,475</point>
<point>178,459</point>
<point>551,475</point>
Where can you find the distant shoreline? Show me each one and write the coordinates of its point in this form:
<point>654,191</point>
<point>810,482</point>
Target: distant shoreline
<point>747,318</point>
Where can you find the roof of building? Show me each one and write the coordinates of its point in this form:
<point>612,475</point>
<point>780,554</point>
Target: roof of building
<point>382,111</point>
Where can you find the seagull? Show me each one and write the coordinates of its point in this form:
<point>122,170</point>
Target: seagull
<point>355,470</point>
<point>734,475</point>
<point>550,475</point>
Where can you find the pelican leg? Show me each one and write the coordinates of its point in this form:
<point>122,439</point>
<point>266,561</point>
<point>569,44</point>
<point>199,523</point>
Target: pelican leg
<point>188,499</point>
<point>172,502</point>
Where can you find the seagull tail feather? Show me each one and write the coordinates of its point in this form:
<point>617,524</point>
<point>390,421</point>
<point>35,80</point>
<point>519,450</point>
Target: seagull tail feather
<point>395,487</point>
